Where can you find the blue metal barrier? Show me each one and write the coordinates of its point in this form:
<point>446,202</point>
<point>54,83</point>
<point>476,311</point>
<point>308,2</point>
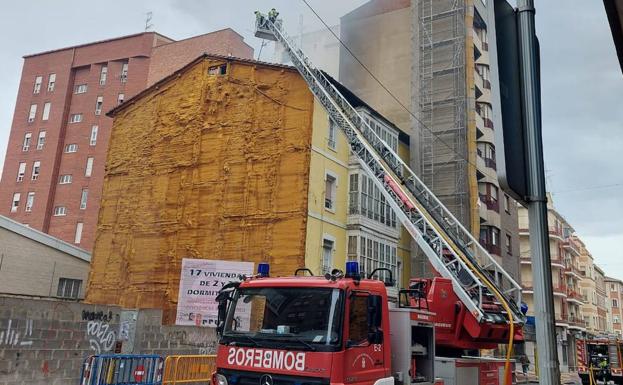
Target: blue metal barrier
<point>122,369</point>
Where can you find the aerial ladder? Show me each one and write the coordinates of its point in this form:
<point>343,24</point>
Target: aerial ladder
<point>482,285</point>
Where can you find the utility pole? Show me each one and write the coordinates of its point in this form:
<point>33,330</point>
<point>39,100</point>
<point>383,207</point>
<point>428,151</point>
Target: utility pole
<point>549,372</point>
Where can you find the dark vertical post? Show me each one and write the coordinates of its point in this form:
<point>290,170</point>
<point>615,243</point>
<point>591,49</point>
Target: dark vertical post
<point>549,372</point>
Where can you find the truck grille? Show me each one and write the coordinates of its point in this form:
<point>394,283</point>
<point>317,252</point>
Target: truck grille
<point>235,377</point>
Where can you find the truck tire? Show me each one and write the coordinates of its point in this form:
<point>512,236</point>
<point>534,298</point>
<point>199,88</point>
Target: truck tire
<point>585,379</point>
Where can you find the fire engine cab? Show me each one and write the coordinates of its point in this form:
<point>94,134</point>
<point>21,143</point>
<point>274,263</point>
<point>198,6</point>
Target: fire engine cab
<point>333,329</point>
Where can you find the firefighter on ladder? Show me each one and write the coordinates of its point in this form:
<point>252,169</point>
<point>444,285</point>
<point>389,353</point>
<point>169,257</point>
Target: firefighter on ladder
<point>272,15</point>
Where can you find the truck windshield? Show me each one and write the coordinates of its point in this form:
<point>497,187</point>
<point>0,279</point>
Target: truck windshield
<point>272,316</point>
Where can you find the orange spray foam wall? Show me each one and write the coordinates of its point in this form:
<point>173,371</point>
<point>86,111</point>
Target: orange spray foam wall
<point>204,166</point>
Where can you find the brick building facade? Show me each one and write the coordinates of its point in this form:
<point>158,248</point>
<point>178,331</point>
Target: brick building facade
<point>54,166</point>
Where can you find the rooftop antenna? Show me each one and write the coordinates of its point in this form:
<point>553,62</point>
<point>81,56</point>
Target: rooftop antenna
<point>148,16</point>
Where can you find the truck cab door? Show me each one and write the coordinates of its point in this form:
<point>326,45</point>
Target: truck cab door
<point>365,340</point>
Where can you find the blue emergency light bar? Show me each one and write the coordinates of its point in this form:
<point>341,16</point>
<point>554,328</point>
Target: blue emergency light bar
<point>352,269</point>
<point>263,269</point>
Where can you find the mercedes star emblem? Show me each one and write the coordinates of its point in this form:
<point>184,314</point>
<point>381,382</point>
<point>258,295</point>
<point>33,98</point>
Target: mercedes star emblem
<point>266,379</point>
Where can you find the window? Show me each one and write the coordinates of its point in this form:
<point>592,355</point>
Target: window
<point>612,287</point>
<point>68,288</point>
<point>374,253</point>
<point>327,255</point>
<point>83,199</point>
<point>124,72</point>
<point>218,70</point>
<point>331,140</point>
<point>358,319</point>
<point>98,105</point>
<point>103,75</point>
<point>506,203</point>
<point>93,140</point>
<point>60,211</point>
<point>32,114</point>
<point>27,139</point>
<point>615,303</point>
<point>51,82</point>
<point>15,203</point>
<point>120,98</point>
<point>509,248</point>
<point>65,179</point>
<point>352,248</point>
<point>38,81</point>
<point>46,111</point>
<point>330,191</point>
<point>41,140</point>
<point>80,89</point>
<point>75,118</point>
<point>71,148</point>
<point>368,201</point>
<point>89,168</point>
<point>21,171</point>
<point>615,319</point>
<point>78,235</point>
<point>30,200</point>
<point>36,167</point>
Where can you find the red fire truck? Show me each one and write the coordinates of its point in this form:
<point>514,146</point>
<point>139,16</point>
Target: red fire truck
<point>341,328</point>
<point>600,358</point>
<point>335,329</point>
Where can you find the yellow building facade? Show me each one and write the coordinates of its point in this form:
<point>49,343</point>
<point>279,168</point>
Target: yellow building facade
<point>232,159</point>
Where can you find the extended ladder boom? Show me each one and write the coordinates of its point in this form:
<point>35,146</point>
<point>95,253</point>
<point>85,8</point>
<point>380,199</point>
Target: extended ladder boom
<point>452,250</point>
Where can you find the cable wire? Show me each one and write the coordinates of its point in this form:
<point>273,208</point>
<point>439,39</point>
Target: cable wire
<point>437,138</point>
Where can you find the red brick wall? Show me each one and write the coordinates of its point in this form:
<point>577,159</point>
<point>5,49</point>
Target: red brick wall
<point>81,65</point>
<point>167,58</point>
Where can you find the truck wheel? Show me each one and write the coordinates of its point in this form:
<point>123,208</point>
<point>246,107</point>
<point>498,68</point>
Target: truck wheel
<point>585,379</point>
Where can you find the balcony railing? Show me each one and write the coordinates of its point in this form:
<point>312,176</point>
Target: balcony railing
<point>573,294</point>
<point>488,122</point>
<point>490,163</point>
<point>576,321</point>
<point>558,288</point>
<point>485,46</point>
<point>492,249</point>
<point>492,204</point>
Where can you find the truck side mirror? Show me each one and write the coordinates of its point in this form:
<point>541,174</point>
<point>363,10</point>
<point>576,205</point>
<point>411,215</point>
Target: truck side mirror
<point>375,311</point>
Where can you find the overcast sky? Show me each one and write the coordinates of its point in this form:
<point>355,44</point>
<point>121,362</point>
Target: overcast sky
<point>582,83</point>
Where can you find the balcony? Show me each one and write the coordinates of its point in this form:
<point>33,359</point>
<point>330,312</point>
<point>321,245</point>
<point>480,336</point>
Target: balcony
<point>490,163</point>
<point>576,323</point>
<point>574,296</point>
<point>571,245</point>
<point>492,249</point>
<point>488,122</point>
<point>492,204</point>
<point>555,231</point>
<point>559,289</point>
<point>573,271</point>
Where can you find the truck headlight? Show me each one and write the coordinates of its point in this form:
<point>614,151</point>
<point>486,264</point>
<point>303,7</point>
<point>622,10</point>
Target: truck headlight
<point>220,379</point>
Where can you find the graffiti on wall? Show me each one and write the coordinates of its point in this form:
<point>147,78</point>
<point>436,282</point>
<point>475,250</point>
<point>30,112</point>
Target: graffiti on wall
<point>96,316</point>
<point>101,336</point>
<point>16,336</point>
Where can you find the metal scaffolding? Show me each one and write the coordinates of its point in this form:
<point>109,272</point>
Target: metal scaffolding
<point>443,102</point>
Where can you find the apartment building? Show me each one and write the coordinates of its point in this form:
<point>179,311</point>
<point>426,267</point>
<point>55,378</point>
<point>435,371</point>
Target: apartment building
<point>269,178</point>
<point>567,268</point>
<point>434,58</point>
<point>593,286</point>
<point>614,294</point>
<point>54,167</point>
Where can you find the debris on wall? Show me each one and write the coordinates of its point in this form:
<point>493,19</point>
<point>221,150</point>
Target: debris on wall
<point>204,165</point>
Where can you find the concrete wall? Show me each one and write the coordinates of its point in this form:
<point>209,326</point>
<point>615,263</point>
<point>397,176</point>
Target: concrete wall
<point>31,268</point>
<point>45,342</point>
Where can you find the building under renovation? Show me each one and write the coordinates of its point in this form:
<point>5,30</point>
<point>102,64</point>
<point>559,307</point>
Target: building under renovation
<point>234,159</point>
<point>426,67</point>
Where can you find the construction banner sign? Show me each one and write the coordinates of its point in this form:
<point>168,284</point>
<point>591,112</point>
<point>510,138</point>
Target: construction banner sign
<point>200,282</point>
